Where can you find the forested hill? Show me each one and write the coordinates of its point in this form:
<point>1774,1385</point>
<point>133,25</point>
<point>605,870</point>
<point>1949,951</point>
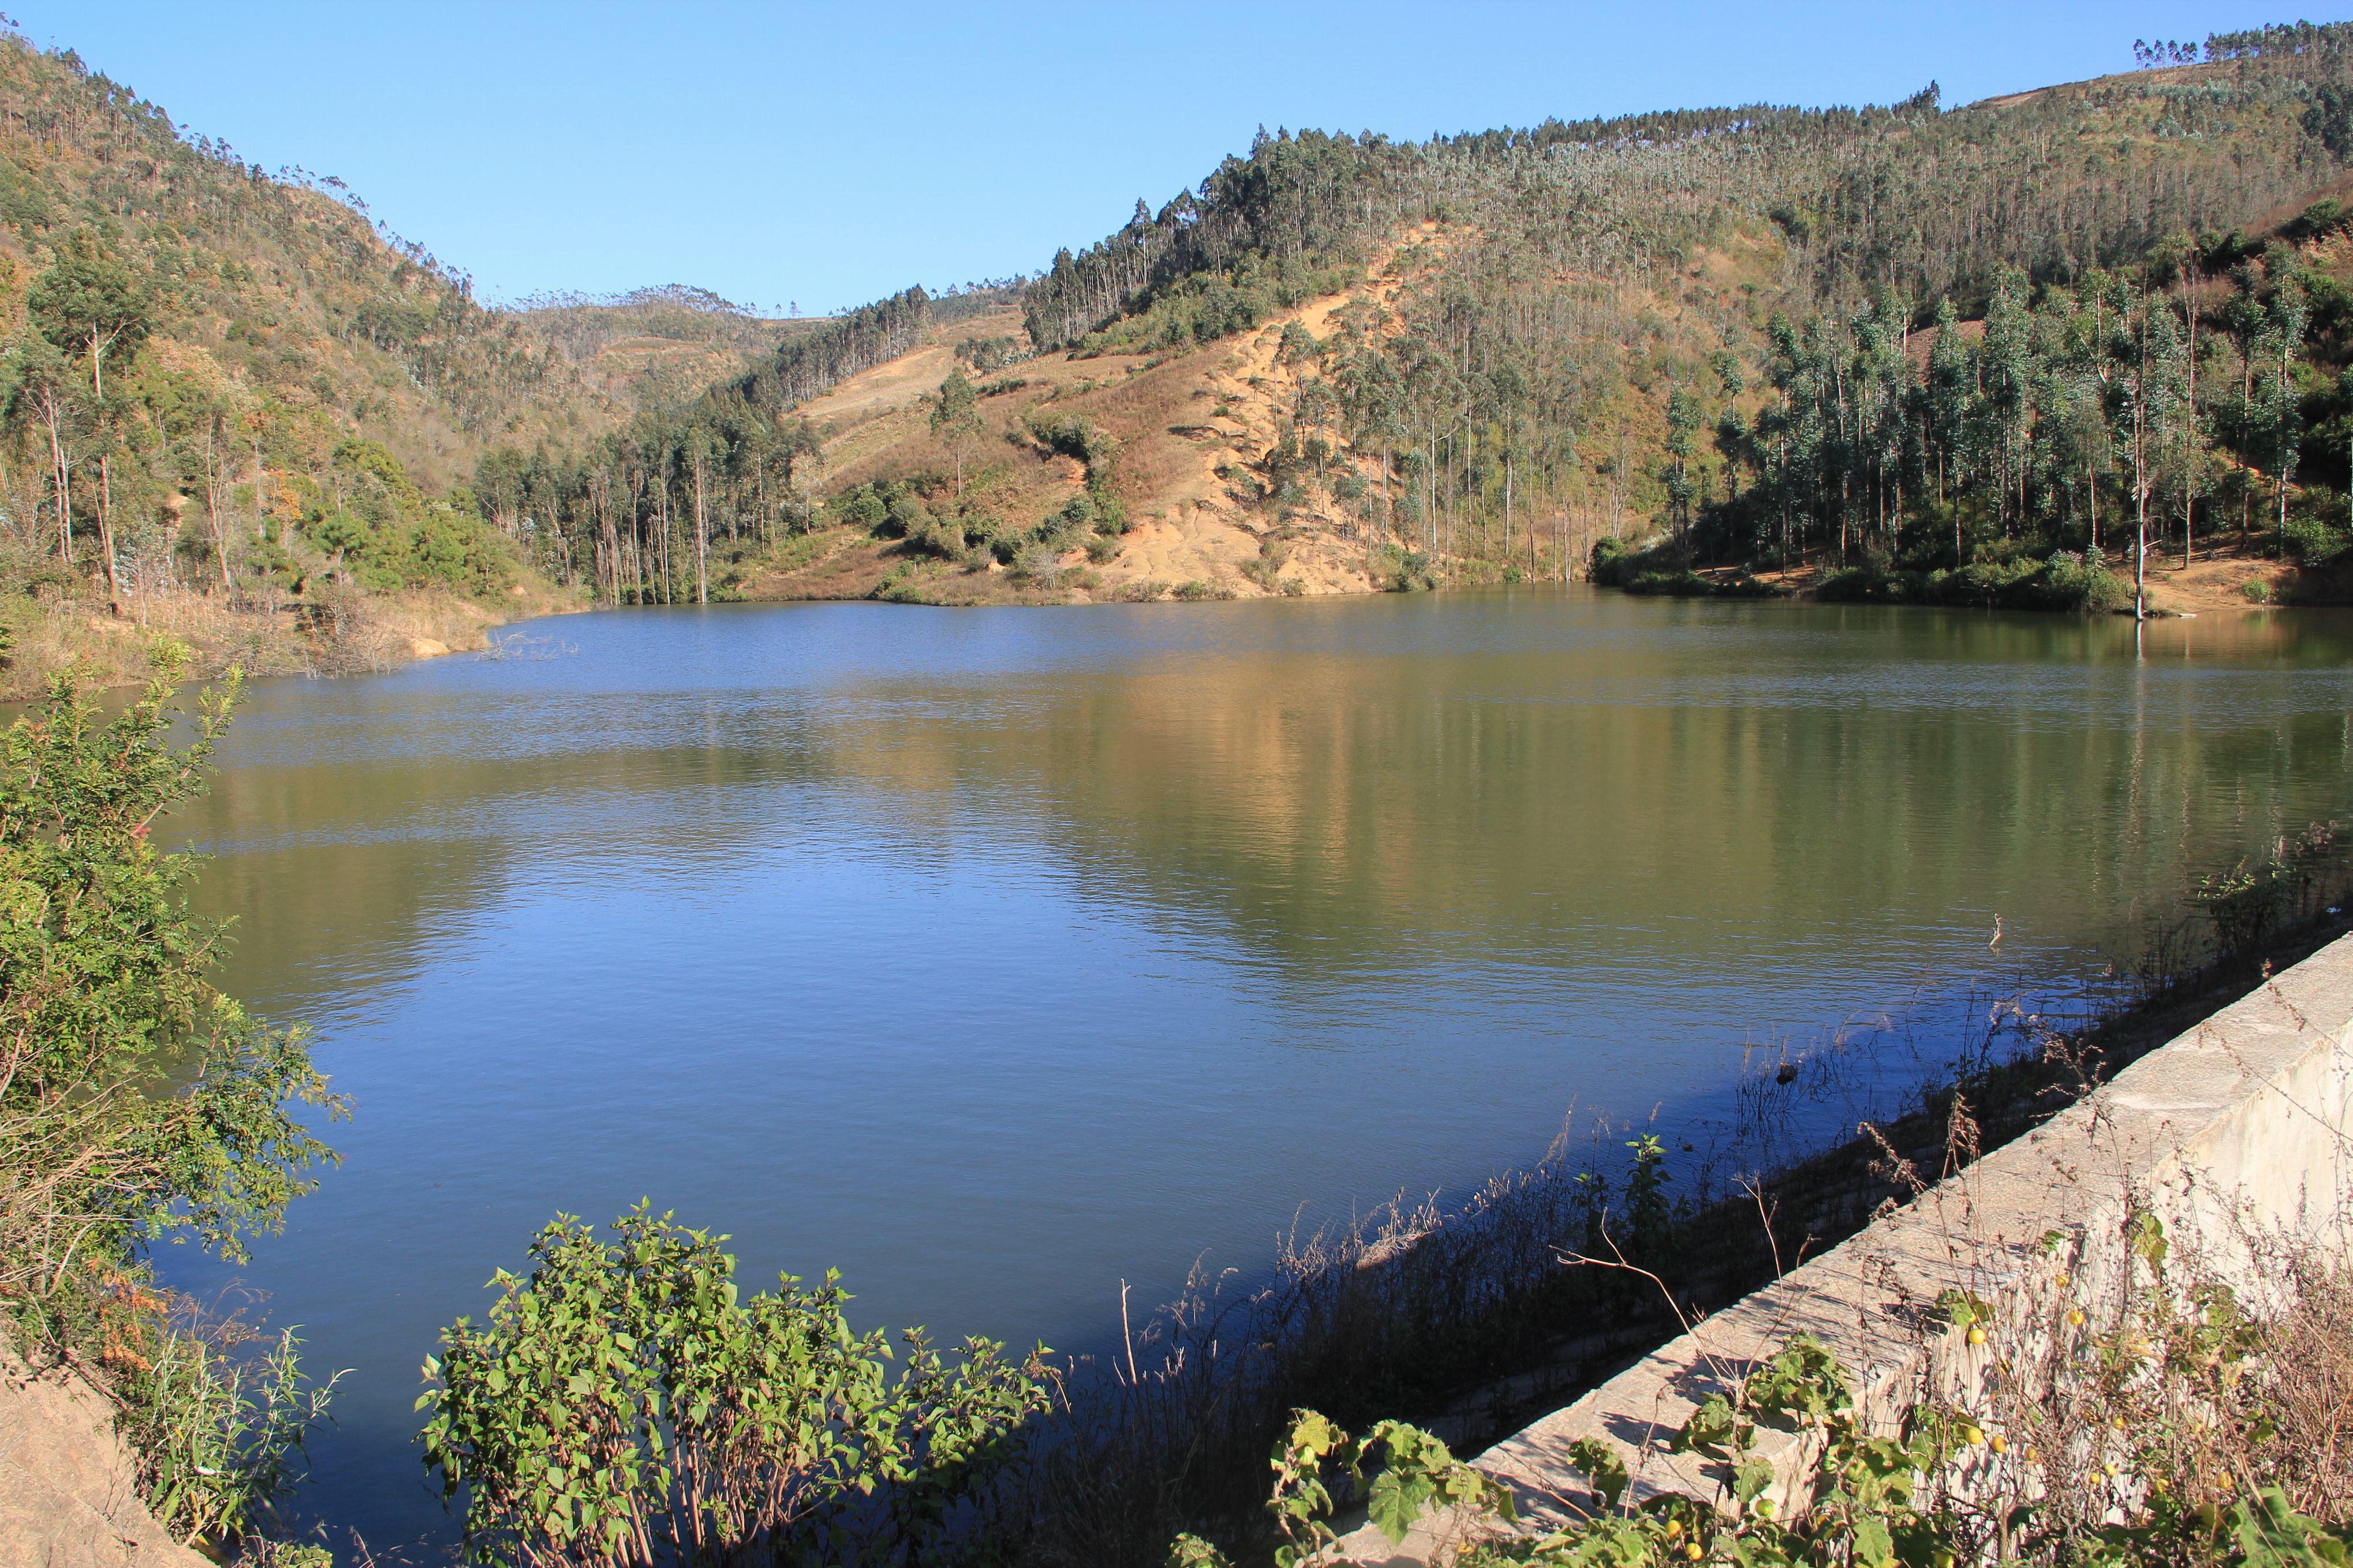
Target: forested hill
<point>236,386</point>
<point>1921,349</point>
<point>657,346</point>
<point>281,286</point>
<point>1713,318</point>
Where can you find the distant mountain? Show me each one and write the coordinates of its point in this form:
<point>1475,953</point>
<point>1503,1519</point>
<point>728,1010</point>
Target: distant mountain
<point>657,344</point>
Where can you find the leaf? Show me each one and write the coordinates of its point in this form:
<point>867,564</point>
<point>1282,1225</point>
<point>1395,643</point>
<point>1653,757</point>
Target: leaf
<point>1713,1428</point>
<point>1600,1464</point>
<point>1192,1551</point>
<point>2272,1534</point>
<point>1396,1504</point>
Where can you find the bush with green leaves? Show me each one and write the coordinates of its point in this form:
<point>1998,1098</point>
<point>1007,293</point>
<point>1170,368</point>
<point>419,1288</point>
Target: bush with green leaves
<point>1070,436</point>
<point>625,1404</point>
<point>138,1103</point>
<point>1402,571</point>
<point>2065,581</point>
<point>2313,543</point>
<point>387,534</point>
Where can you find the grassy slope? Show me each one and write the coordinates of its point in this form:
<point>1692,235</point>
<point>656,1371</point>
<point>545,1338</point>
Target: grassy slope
<point>282,296</point>
<point>276,283</point>
<point>1193,431</point>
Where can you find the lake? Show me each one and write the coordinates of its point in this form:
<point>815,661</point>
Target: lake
<point>997,957</point>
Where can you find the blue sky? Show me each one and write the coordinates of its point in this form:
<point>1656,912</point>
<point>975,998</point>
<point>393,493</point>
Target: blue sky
<point>827,154</point>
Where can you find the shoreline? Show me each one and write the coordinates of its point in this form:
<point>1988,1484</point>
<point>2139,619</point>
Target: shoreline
<point>361,635</point>
<point>1344,1325</point>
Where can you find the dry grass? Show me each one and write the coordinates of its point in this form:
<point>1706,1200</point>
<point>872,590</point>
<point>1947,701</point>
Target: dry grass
<point>340,634</point>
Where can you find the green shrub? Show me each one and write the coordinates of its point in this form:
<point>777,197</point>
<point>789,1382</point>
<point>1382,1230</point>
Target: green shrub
<point>219,1433</point>
<point>1399,571</point>
<point>860,508</point>
<point>2064,581</point>
<point>1071,435</point>
<point>140,1102</point>
<point>1683,583</point>
<point>625,1404</point>
<point>1266,567</point>
<point>1611,559</point>
<point>985,354</point>
<point>2312,543</point>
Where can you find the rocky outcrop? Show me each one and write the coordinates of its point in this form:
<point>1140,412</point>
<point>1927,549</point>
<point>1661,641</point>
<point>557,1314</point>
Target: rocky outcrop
<point>68,1497</point>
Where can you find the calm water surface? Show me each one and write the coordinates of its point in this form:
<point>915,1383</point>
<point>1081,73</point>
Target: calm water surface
<point>997,956</point>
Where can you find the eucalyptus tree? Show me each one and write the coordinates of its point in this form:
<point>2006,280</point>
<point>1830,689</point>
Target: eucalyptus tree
<point>2284,331</point>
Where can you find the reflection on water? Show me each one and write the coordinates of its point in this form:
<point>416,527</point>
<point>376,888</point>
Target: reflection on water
<point>997,956</point>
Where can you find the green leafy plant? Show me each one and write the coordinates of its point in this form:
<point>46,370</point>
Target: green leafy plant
<point>625,1404</point>
<point>1413,1473</point>
<point>1865,1500</point>
<point>138,1102</point>
<point>2183,1431</point>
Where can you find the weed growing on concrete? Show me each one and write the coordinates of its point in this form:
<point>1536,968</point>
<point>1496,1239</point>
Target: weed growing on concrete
<point>2166,1446</point>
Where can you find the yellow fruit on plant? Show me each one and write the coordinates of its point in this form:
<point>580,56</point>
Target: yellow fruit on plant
<point>2109,1471</point>
<point>2062,1280</point>
<point>1976,1336</point>
<point>1974,1436</point>
<point>2000,1444</point>
<point>1693,1552</point>
<point>2074,1317</point>
<point>1674,1528</point>
<point>2117,1422</point>
<point>1764,1508</point>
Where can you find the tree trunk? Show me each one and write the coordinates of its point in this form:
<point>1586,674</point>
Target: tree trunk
<point>701,541</point>
<point>213,511</point>
<point>106,523</point>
